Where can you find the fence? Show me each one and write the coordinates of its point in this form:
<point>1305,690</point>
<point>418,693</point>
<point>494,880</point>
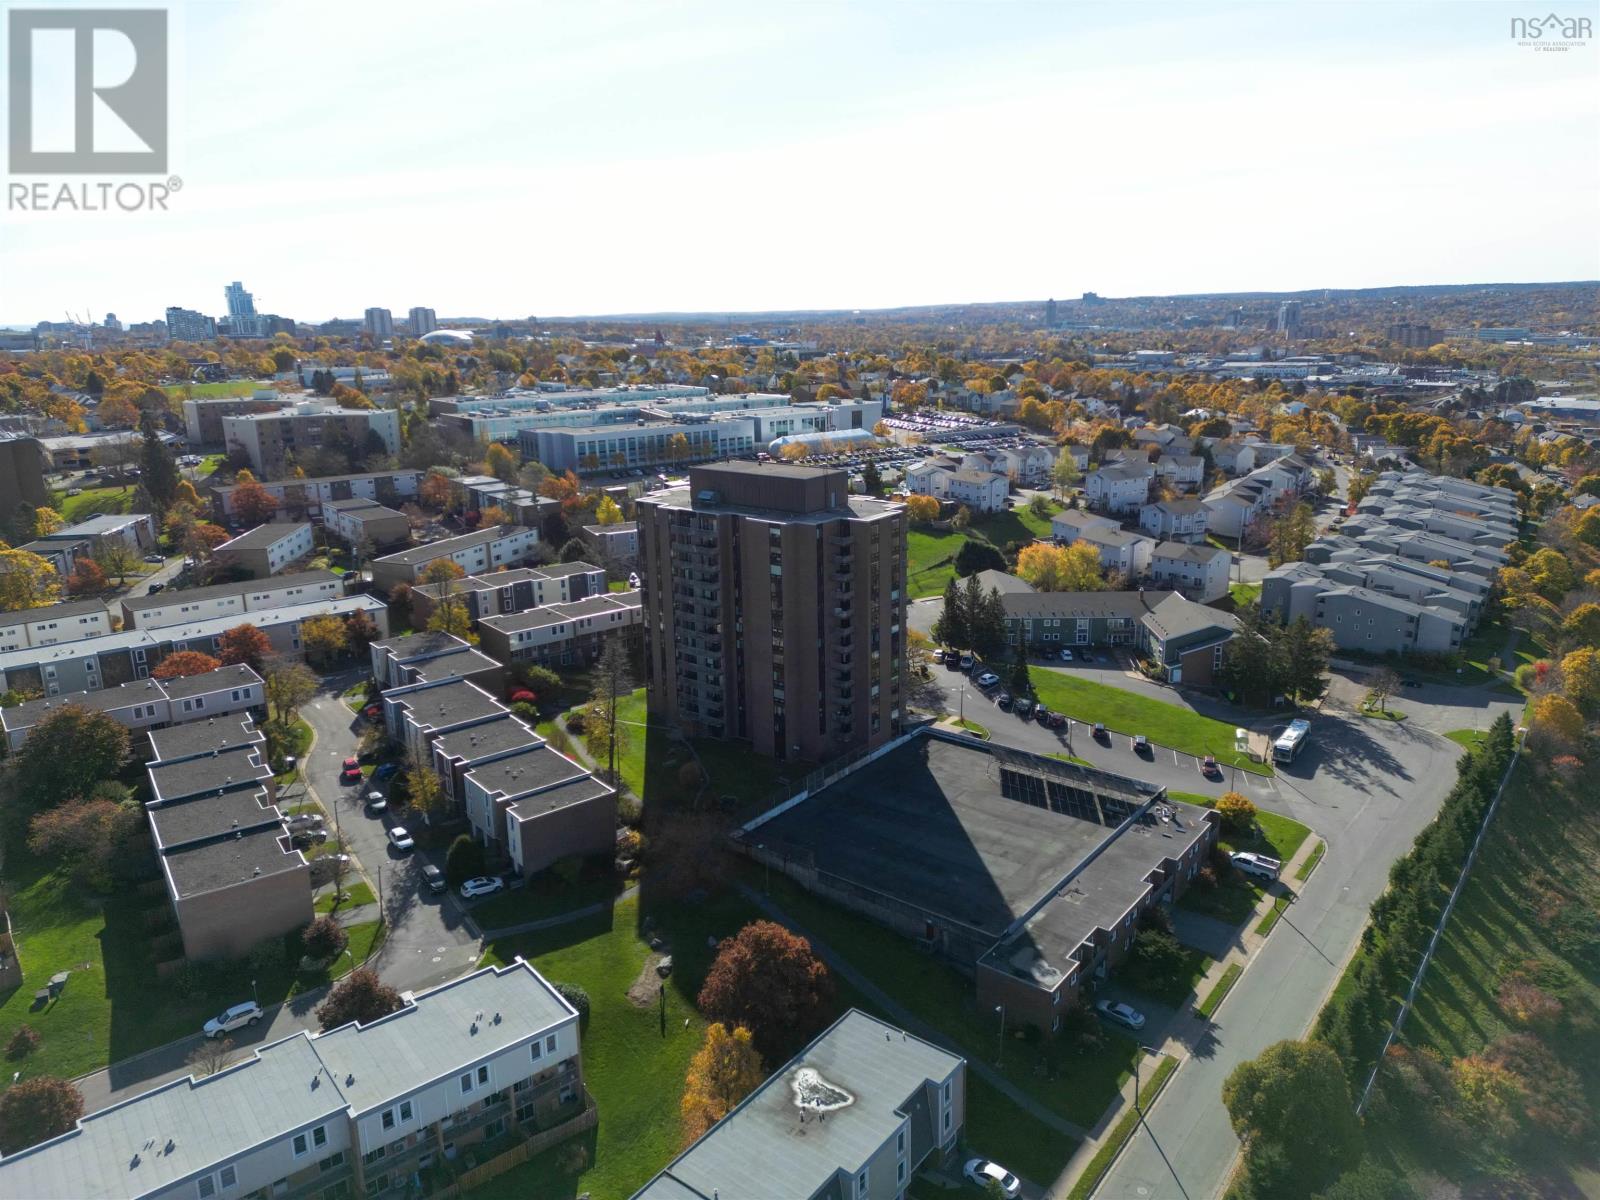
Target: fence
<point>520,1153</point>
<point>1438,932</point>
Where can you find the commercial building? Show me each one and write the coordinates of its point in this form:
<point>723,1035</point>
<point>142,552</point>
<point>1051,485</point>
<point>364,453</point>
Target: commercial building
<point>1199,572</point>
<point>365,523</point>
<point>774,608</point>
<point>563,635</point>
<point>471,1066</point>
<point>482,550</point>
<point>379,324</point>
<point>301,498</point>
<point>69,621</point>
<point>270,438</point>
<point>1030,871</point>
<point>504,592</point>
<point>183,606</point>
<point>115,658</point>
<point>265,550</point>
<point>232,875</point>
<point>422,321</point>
<point>856,1114</point>
<point>149,703</point>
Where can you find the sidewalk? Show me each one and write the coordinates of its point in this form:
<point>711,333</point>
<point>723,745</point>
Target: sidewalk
<point>1188,1032</point>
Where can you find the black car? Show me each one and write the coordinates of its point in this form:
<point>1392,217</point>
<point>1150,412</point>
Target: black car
<point>1004,701</point>
<point>154,588</point>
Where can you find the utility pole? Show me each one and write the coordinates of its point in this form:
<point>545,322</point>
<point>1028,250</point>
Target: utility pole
<point>1000,1046</point>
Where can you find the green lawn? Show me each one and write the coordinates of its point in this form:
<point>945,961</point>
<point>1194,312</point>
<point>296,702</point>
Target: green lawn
<point>545,896</point>
<point>1150,1087</point>
<point>1014,525</point>
<point>1469,738</point>
<point>1312,859</point>
<point>973,727</point>
<point>93,502</point>
<point>930,561</point>
<point>357,893</point>
<point>1235,897</point>
<point>1219,990</point>
<point>227,387</point>
<point>1127,712</point>
<point>1075,1084</point>
<point>617,585</point>
<point>1244,593</point>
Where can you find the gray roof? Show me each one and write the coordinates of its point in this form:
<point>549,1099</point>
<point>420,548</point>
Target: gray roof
<point>30,712</point>
<point>445,547</point>
<point>563,795</point>
<point>201,737</point>
<point>1176,617</point>
<point>232,676</point>
<point>263,536</point>
<point>1004,583</point>
<point>1191,553</point>
<point>316,479</point>
<point>155,1141</point>
<point>445,705</point>
<point>230,860</point>
<point>201,818</point>
<point>1082,604</point>
<point>764,1140</point>
<point>555,614</point>
<point>452,664</point>
<point>619,527</point>
<point>361,507</point>
<point>50,612</point>
<point>1178,508</point>
<point>486,740</point>
<point>419,645</point>
<point>230,767</point>
<point>96,526</point>
<point>966,475</point>
<point>186,595</point>
<point>538,766</point>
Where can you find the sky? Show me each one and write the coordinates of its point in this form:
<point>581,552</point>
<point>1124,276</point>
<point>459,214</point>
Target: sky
<point>579,158</point>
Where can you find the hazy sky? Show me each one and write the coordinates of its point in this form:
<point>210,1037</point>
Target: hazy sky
<point>564,158</point>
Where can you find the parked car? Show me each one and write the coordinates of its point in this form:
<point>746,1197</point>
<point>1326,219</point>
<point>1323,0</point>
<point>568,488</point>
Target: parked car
<point>967,662</point>
<point>74,491</point>
<point>980,1172</point>
<point>376,801</point>
<point>350,771</point>
<point>938,655</point>
<point>633,579</point>
<point>1004,701</point>
<point>482,885</point>
<point>1066,655</point>
<point>433,878</point>
<point>987,680</point>
<point>153,557</point>
<point>1209,767</point>
<point>1100,734</point>
<point>1086,656</point>
<point>1024,708</point>
<point>1139,744</point>
<point>1121,1014</point>
<point>304,821</point>
<point>401,840</point>
<point>154,588</point>
<point>311,835</point>
<point>385,770</point>
<point>229,1019</point>
<point>1259,865</point>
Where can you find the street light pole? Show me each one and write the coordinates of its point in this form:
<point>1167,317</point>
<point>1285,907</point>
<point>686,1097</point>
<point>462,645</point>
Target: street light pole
<point>1000,1046</point>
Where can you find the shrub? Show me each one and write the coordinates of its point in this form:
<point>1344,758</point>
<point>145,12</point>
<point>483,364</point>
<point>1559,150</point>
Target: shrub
<point>464,861</point>
<point>1157,917</point>
<point>522,696</point>
<point>1207,876</point>
<point>35,1110</point>
<point>324,939</point>
<point>578,998</point>
<point>1529,1005</point>
<point>23,1042</point>
<point>359,996</point>
<point>1237,812</point>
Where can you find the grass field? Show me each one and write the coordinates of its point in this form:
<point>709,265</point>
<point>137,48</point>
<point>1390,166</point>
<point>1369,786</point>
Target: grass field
<point>227,387</point>
<point>1244,593</point>
<point>1219,990</point>
<point>1149,1089</point>
<point>544,897</point>
<point>1311,861</point>
<point>1076,1085</point>
<point>1129,712</point>
<point>356,894</point>
<point>930,556</point>
<point>93,502</point>
<point>1470,738</point>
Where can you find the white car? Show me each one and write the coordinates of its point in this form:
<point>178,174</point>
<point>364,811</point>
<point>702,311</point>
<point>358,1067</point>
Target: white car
<point>483,885</point>
<point>377,801</point>
<point>633,580</point>
<point>400,839</point>
<point>1122,1014</point>
<point>980,1171</point>
<point>233,1018</point>
<point>987,680</point>
<point>1066,655</point>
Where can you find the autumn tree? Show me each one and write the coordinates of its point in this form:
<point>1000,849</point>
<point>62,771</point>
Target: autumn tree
<point>115,557</point>
<point>185,662</point>
<point>1237,812</point>
<point>1065,474</point>
<point>46,521</point>
<point>87,578</point>
<point>1580,678</point>
<point>324,636</point>
<point>89,837</point>
<point>424,790</point>
<point>247,645</point>
<point>442,570</point>
<point>1074,568</point>
<point>435,491</point>
<point>36,1110</point>
<point>252,503</point>
<point>361,630</point>
<point>607,512</point>
<point>1557,724</point>
<point>202,540</point>
<point>501,462</point>
<point>287,687</point>
<point>922,509</point>
<point>725,1070</point>
<point>1382,685</point>
<point>359,996</point>
<point>1581,626</point>
<point>26,581</point>
<point>68,752</point>
<point>769,980</point>
<point>324,939</point>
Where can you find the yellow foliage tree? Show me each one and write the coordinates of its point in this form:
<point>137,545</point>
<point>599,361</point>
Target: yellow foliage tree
<point>922,508</point>
<point>607,512</point>
<point>185,493</point>
<point>324,636</point>
<point>501,462</point>
<point>1557,723</point>
<point>1580,678</point>
<point>46,521</point>
<point>26,581</point>
<point>723,1072</point>
<point>1048,568</point>
<point>442,570</point>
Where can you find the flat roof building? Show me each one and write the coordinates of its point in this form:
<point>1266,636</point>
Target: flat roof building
<point>265,550</point>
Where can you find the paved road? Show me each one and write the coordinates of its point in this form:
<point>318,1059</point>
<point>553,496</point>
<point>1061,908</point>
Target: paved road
<point>428,940</point>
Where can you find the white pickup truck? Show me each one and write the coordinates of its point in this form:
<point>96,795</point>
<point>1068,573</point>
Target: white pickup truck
<point>1259,865</point>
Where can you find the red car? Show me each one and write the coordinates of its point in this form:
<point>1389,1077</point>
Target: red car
<point>351,772</point>
<point>1209,768</point>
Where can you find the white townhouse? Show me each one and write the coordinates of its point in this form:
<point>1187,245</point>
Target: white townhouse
<point>1120,488</point>
<point>1181,520</point>
<point>1199,572</point>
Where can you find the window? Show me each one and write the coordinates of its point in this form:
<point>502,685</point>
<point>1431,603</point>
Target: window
<point>466,1083</point>
<point>228,1177</point>
<point>900,1173</point>
<point>319,1136</point>
<point>388,1118</point>
<point>861,1184</point>
<point>373,1155</point>
<point>483,1074</point>
<point>207,1187</point>
<point>405,1110</point>
<point>900,1142</point>
<point>301,1145</point>
<point>550,1044</point>
<point>332,1163</point>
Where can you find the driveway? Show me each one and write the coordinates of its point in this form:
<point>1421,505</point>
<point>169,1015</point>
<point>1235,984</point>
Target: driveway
<point>428,940</point>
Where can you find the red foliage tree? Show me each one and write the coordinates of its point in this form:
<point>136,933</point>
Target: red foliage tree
<point>35,1110</point>
<point>1553,1096</point>
<point>359,996</point>
<point>252,503</point>
<point>87,578</point>
<point>185,662</point>
<point>247,645</point>
<point>769,980</point>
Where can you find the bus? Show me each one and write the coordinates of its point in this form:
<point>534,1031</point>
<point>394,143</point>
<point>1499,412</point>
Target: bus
<point>1290,741</point>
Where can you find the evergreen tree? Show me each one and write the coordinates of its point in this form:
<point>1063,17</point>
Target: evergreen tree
<point>950,629</point>
<point>160,472</point>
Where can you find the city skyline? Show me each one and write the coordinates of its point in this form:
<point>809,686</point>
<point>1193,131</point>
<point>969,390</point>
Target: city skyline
<point>977,154</point>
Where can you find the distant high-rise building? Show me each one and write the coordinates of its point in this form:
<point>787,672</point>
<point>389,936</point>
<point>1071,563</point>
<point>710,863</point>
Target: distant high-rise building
<point>1091,298</point>
<point>186,325</point>
<point>1289,318</point>
<point>240,302</point>
<point>1415,337</point>
<point>380,324</point>
<point>423,320</point>
<point>775,609</point>
<point>112,323</point>
<point>277,324</point>
<point>1050,313</point>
